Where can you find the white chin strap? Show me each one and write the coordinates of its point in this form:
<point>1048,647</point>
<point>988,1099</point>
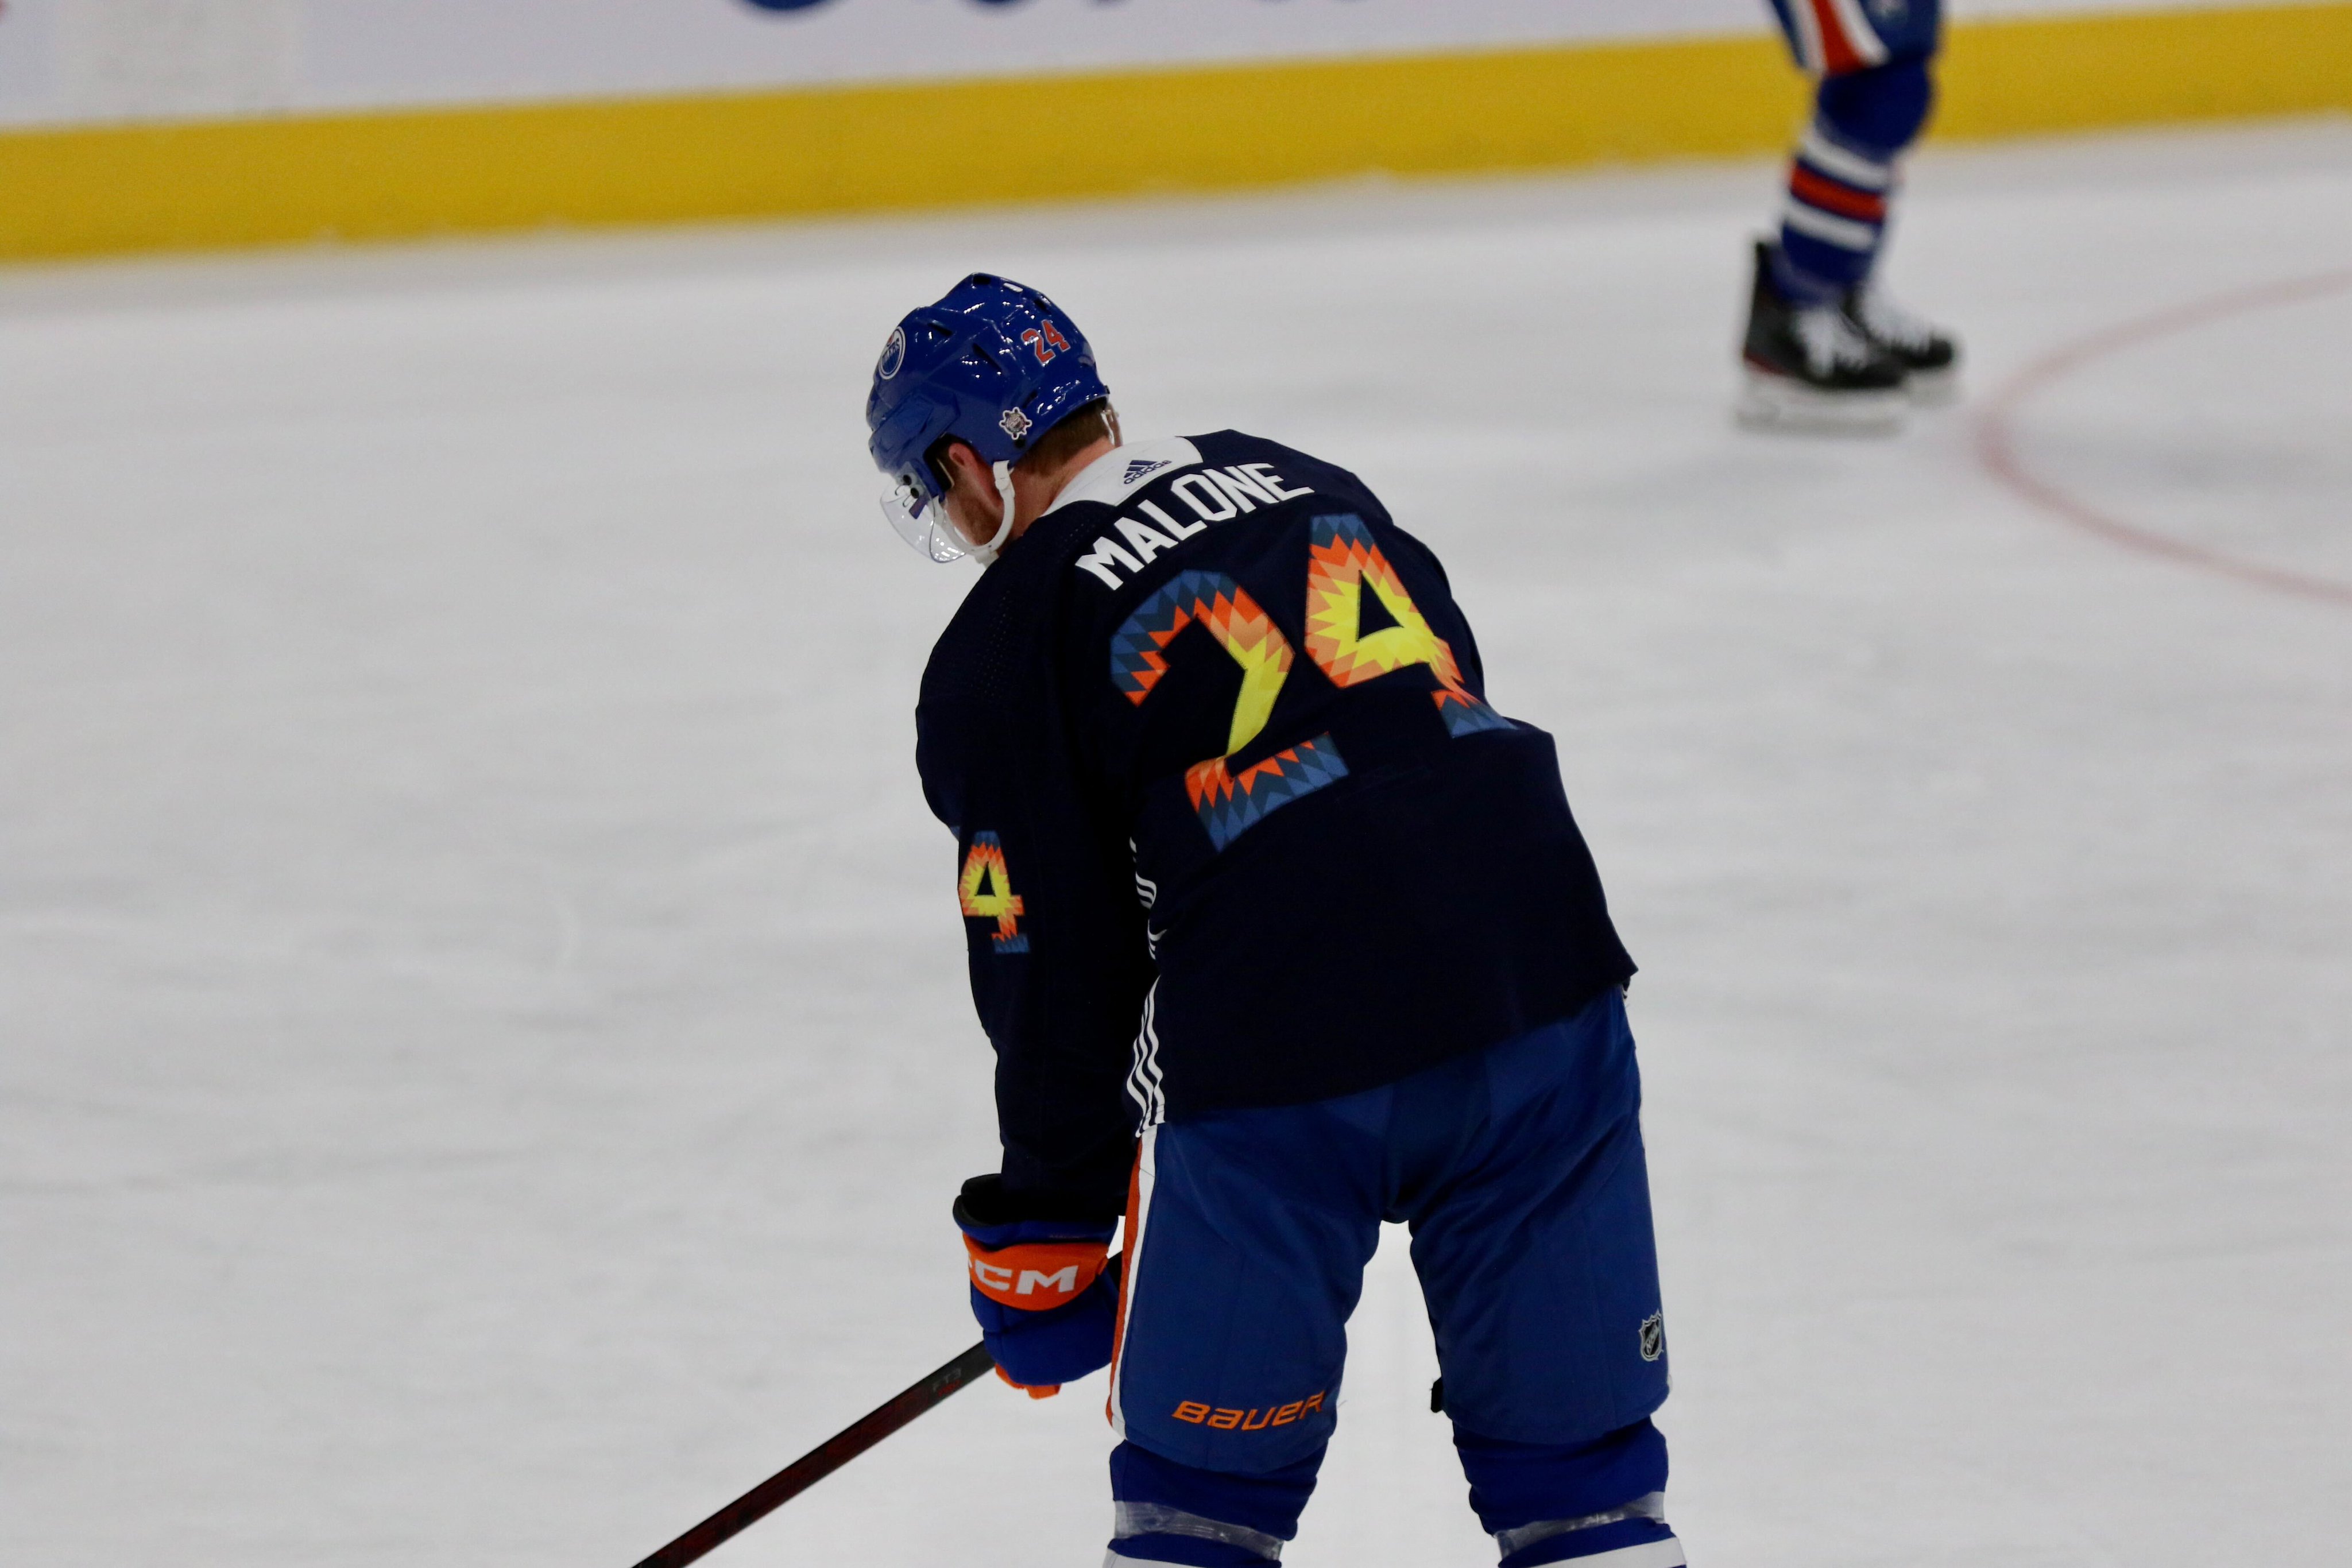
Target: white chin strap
<point>986,554</point>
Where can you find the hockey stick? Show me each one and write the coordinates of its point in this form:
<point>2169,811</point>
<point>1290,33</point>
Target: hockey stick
<point>822,1460</point>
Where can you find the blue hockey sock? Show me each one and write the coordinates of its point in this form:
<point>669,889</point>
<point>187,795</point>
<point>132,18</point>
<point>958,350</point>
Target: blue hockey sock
<point>1842,176</point>
<point>1556,1502</point>
<point>1169,1512</point>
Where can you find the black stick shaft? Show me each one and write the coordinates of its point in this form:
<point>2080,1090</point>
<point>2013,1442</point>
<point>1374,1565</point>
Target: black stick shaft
<point>822,1460</point>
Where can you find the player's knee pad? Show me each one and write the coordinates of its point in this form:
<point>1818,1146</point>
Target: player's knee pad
<point>1171,1512</point>
<point>1601,1502</point>
<point>1876,112</point>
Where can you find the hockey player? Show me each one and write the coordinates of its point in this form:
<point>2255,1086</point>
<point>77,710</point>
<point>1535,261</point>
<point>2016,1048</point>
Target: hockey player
<point>1280,932</point>
<point>1824,343</point>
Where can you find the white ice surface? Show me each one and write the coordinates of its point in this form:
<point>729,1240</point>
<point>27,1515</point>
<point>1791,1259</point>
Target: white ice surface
<point>483,1049</point>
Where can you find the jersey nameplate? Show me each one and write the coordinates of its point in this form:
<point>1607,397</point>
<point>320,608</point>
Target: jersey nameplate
<point>1208,495</point>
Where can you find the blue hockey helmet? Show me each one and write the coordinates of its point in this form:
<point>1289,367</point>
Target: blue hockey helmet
<point>994,365</point>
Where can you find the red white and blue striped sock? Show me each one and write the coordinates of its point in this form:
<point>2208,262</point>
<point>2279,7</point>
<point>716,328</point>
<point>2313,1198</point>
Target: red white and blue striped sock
<point>1833,220</point>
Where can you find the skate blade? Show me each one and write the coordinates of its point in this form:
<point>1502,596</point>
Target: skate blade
<point>1933,389</point>
<point>1775,403</point>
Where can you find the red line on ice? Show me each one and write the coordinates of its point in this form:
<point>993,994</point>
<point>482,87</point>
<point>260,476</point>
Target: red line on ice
<point>1997,450</point>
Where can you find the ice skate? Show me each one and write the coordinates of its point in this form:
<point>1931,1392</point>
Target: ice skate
<point>1808,367</point>
<point>1929,356</point>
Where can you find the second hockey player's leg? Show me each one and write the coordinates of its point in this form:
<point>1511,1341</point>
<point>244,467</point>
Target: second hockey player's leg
<point>1807,359</point>
<point>1825,344</point>
<point>1862,123</point>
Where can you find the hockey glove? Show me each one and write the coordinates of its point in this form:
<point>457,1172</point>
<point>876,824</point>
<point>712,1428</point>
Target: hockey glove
<point>1044,1288</point>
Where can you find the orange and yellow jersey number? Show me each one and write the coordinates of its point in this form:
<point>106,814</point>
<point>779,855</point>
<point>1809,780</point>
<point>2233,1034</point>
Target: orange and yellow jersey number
<point>985,891</point>
<point>1347,577</point>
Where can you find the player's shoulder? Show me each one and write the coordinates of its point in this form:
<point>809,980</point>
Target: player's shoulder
<point>1144,500</point>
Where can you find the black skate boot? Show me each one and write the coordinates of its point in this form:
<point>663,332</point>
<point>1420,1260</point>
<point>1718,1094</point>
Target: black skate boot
<point>1929,357</point>
<point>1808,367</point>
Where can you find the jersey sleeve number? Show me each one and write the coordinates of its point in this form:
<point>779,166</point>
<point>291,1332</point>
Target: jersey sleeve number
<point>985,892</point>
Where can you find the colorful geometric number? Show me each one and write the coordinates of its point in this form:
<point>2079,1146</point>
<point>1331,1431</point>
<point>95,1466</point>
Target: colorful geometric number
<point>1138,650</point>
<point>985,891</point>
<point>1343,563</point>
<point>1225,804</point>
<point>1466,715</point>
<point>1229,804</point>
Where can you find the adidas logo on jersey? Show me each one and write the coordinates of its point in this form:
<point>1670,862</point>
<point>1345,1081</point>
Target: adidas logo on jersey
<point>1142,465</point>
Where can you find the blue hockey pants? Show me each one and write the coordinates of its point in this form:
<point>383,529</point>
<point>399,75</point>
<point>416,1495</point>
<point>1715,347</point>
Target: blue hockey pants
<point>1520,1170</point>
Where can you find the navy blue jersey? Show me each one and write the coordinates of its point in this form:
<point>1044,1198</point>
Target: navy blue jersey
<point>1235,824</point>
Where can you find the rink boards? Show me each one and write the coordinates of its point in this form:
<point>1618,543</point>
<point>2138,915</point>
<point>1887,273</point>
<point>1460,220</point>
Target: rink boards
<point>380,172</point>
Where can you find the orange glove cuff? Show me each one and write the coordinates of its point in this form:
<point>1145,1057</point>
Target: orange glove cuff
<point>1035,1390</point>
